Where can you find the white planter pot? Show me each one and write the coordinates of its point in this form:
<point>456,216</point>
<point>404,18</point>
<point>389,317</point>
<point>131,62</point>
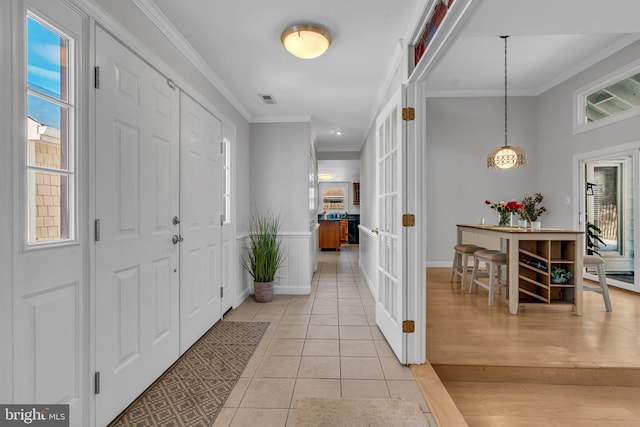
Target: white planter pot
<point>535,225</point>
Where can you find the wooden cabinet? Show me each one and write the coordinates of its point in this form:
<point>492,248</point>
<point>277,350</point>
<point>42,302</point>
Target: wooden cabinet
<point>344,230</point>
<point>536,258</point>
<point>329,234</point>
<point>356,193</point>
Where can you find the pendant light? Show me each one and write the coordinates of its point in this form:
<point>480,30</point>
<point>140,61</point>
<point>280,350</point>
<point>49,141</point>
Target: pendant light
<point>507,156</point>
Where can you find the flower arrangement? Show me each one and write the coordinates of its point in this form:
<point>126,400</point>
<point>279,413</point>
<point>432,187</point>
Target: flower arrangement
<point>505,209</point>
<point>531,209</point>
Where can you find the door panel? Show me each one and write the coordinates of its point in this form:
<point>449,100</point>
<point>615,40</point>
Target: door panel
<point>390,298</point>
<point>200,207</point>
<point>137,159</point>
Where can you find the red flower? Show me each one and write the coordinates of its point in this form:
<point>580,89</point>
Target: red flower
<point>487,202</point>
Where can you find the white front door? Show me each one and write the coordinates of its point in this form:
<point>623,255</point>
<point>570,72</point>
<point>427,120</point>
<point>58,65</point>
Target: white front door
<point>136,263</point>
<point>390,303</point>
<point>201,221</point>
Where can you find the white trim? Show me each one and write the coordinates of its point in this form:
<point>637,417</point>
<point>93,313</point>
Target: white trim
<point>579,160</point>
<point>165,26</point>
<point>392,67</point>
<point>477,93</point>
<point>282,119</point>
<point>107,22</point>
<point>580,99</point>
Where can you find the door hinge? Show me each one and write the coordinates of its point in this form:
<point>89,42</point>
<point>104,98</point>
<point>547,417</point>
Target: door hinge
<point>97,383</point>
<point>221,292</point>
<point>408,113</point>
<point>96,77</point>
<point>97,230</point>
<point>408,220</point>
<point>222,148</point>
<point>408,326</point>
<point>221,219</point>
<point>171,84</point>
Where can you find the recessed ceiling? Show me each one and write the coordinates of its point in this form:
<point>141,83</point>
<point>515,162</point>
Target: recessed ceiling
<point>240,41</point>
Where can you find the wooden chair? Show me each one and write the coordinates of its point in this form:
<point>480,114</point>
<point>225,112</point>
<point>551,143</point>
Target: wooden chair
<point>493,260</point>
<point>597,262</point>
<point>460,265</point>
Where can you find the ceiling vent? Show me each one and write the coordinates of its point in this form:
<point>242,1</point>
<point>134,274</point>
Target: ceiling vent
<point>267,99</point>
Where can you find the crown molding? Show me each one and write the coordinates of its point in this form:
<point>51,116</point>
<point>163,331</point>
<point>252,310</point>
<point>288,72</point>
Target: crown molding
<point>592,60</point>
<point>154,14</point>
<point>478,93</point>
<point>281,119</point>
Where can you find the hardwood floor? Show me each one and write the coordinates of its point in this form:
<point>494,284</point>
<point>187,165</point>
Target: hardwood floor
<point>544,366</point>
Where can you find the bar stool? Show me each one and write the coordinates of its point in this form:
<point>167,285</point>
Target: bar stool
<point>494,260</point>
<point>460,265</point>
<point>598,263</point>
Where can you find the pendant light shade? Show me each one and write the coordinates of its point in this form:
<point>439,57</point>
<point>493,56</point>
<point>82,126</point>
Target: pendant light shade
<point>506,156</point>
<point>306,41</point>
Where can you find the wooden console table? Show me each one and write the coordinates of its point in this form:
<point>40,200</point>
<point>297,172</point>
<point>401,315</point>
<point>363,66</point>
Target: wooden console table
<point>530,255</point>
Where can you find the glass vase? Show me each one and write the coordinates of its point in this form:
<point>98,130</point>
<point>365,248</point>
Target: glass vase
<point>505,219</point>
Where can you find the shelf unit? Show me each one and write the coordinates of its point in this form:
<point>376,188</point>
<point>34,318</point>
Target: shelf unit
<point>535,259</point>
<point>356,194</point>
<point>333,199</point>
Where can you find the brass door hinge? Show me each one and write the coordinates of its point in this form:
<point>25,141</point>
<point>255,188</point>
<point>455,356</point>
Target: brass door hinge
<point>408,113</point>
<point>408,326</point>
<point>408,220</point>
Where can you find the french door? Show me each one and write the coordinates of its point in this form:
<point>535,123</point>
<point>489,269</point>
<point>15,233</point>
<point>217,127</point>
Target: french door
<point>390,298</point>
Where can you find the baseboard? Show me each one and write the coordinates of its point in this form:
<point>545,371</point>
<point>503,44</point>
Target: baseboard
<point>596,376</point>
<point>292,290</point>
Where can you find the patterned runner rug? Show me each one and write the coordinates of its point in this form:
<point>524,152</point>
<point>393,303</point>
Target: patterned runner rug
<point>193,390</point>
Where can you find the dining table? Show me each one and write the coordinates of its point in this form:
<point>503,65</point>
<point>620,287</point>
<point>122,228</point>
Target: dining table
<point>547,247</point>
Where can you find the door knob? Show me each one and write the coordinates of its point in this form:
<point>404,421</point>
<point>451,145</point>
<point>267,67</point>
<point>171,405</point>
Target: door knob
<point>176,220</point>
<point>177,239</point>
<point>375,230</point>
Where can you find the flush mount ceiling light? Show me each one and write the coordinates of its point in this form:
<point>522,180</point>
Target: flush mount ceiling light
<point>306,41</point>
<point>507,156</point>
<point>325,176</point>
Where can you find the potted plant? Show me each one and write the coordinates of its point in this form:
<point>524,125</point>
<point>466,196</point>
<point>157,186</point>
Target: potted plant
<point>532,210</point>
<point>264,255</point>
<point>593,239</point>
<point>560,275</point>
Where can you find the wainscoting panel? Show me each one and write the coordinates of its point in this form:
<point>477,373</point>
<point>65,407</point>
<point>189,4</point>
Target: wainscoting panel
<point>369,258</point>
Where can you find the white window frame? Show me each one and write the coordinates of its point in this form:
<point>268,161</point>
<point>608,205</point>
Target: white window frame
<point>70,104</point>
<point>226,179</point>
<point>580,123</point>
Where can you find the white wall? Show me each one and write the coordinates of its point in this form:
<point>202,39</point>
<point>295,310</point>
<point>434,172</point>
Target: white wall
<point>279,162</point>
<point>460,134</point>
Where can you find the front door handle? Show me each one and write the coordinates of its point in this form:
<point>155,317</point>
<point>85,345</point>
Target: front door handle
<point>177,239</point>
<point>176,220</point>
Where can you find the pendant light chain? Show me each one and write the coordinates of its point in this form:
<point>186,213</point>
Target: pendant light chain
<point>505,89</point>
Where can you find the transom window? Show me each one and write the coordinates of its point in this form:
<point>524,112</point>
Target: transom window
<point>610,99</point>
<point>50,140</point>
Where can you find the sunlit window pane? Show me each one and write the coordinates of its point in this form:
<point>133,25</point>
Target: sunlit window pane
<point>47,61</point>
<point>47,135</point>
<point>49,206</point>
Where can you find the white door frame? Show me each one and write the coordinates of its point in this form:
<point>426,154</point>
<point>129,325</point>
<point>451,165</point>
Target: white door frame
<point>579,161</point>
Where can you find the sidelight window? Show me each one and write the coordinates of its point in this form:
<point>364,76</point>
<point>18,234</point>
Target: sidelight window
<point>50,136</point>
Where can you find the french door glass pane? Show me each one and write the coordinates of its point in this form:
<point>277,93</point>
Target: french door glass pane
<point>46,130</point>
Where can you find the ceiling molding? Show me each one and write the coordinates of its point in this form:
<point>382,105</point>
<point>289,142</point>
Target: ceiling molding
<point>478,93</point>
<point>578,68</point>
<point>392,67</point>
<point>281,119</point>
<point>154,14</point>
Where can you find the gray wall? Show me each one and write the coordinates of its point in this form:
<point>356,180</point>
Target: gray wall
<point>462,131</point>
<point>460,134</point>
<point>279,159</point>
<point>558,145</point>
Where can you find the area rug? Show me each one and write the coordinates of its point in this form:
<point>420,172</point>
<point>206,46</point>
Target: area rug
<point>192,392</point>
<point>319,412</point>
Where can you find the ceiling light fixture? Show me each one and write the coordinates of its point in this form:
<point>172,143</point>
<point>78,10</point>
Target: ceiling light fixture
<point>507,156</point>
<point>323,176</point>
<point>306,41</point>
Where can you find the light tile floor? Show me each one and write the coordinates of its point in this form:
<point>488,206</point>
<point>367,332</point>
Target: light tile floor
<point>321,345</point>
